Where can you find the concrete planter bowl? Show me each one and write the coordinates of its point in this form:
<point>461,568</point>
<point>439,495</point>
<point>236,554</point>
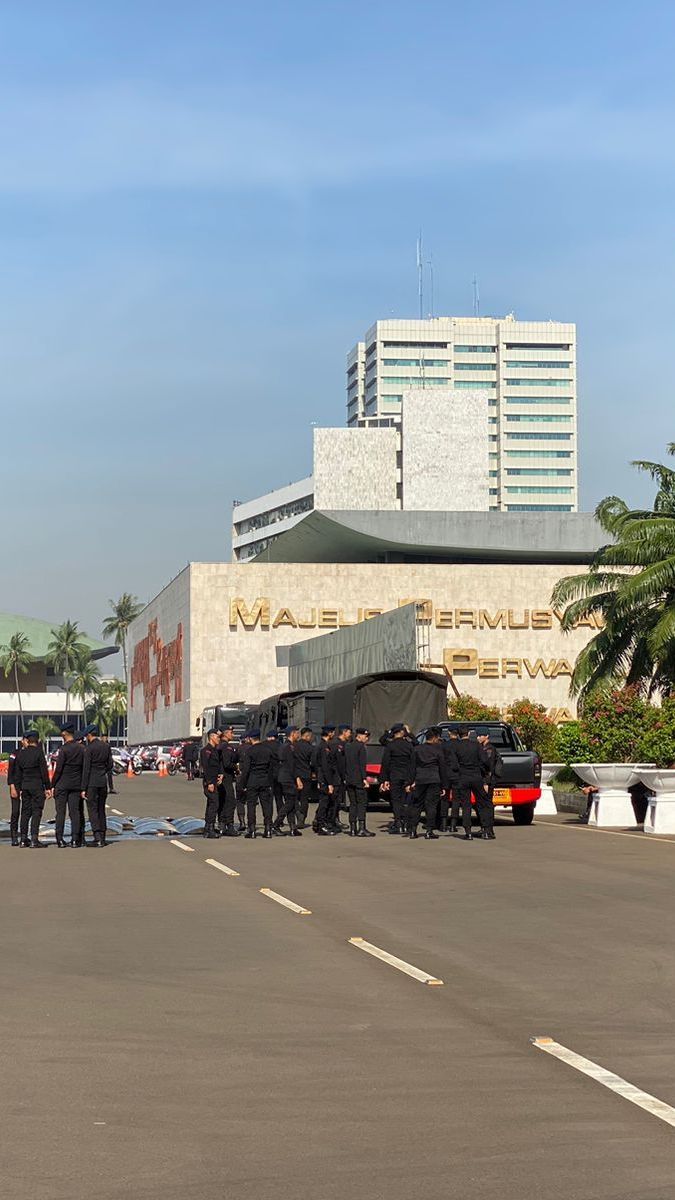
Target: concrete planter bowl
<point>661,807</point>
<point>612,805</point>
<point>546,805</point>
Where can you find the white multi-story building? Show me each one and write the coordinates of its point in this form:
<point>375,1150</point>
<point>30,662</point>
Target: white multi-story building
<point>528,369</point>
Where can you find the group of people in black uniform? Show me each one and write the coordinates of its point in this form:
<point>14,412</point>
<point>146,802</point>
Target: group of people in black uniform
<point>82,774</point>
<point>437,776</point>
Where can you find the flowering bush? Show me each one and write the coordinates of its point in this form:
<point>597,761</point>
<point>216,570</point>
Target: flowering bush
<point>468,708</point>
<point>532,722</point>
<point>571,744</point>
<point>657,743</point>
<point>614,724</point>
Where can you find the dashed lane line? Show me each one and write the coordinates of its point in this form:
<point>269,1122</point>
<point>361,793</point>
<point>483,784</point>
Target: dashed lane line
<point>212,862</point>
<point>296,908</point>
<point>651,1104</point>
<point>399,963</point>
<point>182,846</point>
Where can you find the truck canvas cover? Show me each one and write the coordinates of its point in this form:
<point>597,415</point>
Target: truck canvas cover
<point>417,698</point>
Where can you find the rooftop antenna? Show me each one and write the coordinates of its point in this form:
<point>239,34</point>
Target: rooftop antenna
<point>476,298</point>
<point>420,276</point>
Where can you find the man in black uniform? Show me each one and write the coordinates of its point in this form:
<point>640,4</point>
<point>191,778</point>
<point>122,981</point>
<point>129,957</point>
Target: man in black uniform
<point>189,759</point>
<point>110,778</point>
<point>338,745</point>
<point>239,789</point>
<point>431,778</point>
<point>304,753</point>
<point>290,782</point>
<point>396,775</point>
<point>14,793</point>
<point>209,762</point>
<point>229,757</point>
<point>272,740</point>
<point>470,766</point>
<point>67,785</point>
<point>97,765</point>
<point>356,783</point>
<point>32,781</point>
<point>327,779</point>
<point>256,777</point>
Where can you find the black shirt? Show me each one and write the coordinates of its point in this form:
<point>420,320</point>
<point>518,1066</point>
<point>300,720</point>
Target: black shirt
<point>326,766</point>
<point>209,763</point>
<point>304,753</point>
<point>30,770</point>
<point>397,761</point>
<point>229,758</point>
<point>288,766</point>
<point>275,749</point>
<point>354,764</point>
<point>430,764</point>
<point>469,757</point>
<point>69,766</point>
<point>97,764</point>
<point>258,766</point>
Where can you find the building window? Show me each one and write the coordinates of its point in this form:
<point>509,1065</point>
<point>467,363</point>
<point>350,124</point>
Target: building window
<point>539,508</point>
<point>475,349</point>
<point>558,417</point>
<point>475,366</point>
<point>415,345</point>
<point>494,491</point>
<point>538,399</point>
<point>538,346</point>
<point>537,453</point>
<point>476,384</point>
<point>421,379</point>
<point>416,362</point>
<point>560,491</point>
<point>536,471</point>
<point>539,366</point>
<point>543,437</point>
<point>538,382</point>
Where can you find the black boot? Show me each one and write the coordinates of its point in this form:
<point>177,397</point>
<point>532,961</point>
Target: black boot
<point>491,834</point>
<point>453,826</point>
<point>61,844</point>
<point>36,844</point>
<point>103,841</point>
<point>430,836</point>
<point>413,831</point>
<point>230,831</point>
<point>443,826</point>
<point>365,831</point>
<point>353,830</point>
<point>468,836</point>
<point>251,832</point>
<point>212,832</point>
<point>295,832</point>
<point>267,833</point>
<point>325,831</point>
<point>277,831</point>
<point>15,841</point>
<point>395,826</point>
<point>25,842</point>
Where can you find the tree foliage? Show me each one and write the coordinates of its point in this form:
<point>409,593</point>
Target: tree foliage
<point>469,708</point>
<point>533,724</point>
<point>631,585</point>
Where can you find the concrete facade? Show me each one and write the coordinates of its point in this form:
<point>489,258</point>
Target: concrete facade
<point>491,624</point>
<point>355,468</point>
<point>445,458</point>
<point>527,367</point>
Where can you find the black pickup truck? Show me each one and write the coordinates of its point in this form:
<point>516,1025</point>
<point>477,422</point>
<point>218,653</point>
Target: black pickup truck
<point>518,780</point>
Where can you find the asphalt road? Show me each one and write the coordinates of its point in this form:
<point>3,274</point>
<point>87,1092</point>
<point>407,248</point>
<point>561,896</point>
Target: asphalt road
<point>170,1032</point>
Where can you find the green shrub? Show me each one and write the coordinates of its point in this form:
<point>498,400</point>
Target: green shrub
<point>468,708</point>
<point>532,722</point>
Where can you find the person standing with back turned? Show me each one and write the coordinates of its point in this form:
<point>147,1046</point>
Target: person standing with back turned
<point>31,777</point>
<point>67,785</point>
<point>470,761</point>
<point>97,765</point>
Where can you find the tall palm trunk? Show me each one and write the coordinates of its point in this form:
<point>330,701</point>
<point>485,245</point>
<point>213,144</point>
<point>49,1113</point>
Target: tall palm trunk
<point>18,696</point>
<point>124,660</point>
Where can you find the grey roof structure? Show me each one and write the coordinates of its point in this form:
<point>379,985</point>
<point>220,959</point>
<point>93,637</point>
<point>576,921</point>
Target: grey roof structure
<point>443,537</point>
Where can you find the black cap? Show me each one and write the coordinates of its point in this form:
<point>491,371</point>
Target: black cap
<point>343,728</point>
<point>68,727</point>
<point>31,735</point>
<point>291,729</point>
<point>398,727</point>
<point>93,729</point>
<point>327,729</point>
<point>212,732</point>
<point>362,730</point>
<point>272,736</point>
<point>254,734</point>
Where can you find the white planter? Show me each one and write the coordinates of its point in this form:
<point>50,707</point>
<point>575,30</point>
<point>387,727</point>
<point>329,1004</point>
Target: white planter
<point>660,816</point>
<point>611,805</point>
<point>546,806</point>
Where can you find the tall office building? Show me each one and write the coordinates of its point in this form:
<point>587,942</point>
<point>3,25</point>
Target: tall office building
<point>528,369</point>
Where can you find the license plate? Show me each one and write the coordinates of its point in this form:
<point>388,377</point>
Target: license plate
<point>501,796</point>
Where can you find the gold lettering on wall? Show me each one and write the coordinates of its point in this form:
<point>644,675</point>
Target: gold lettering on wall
<point>284,617</point>
<point>249,617</point>
<point>496,622</point>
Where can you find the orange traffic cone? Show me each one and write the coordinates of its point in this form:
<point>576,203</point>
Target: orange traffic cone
<point>162,768</point>
<point>130,770</point>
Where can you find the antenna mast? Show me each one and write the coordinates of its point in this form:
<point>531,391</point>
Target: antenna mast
<point>420,276</point>
<point>476,298</point>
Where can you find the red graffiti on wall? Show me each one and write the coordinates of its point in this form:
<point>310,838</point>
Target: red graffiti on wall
<point>168,670</point>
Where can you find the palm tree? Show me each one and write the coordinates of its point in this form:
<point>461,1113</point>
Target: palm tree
<point>99,711</point>
<point>45,728</point>
<point>62,652</point>
<point>631,585</point>
<point>15,659</point>
<point>125,610</point>
<point>85,681</point>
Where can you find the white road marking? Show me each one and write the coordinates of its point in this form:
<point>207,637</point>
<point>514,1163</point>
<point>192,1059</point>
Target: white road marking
<point>220,866</point>
<point>117,812</point>
<point>655,1107</point>
<point>182,846</point>
<point>399,963</point>
<point>652,837</point>
<point>296,908</point>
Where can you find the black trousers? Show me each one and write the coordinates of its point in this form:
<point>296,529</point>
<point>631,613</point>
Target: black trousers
<point>325,808</point>
<point>358,804</point>
<point>96,798</point>
<point>484,807</point>
<point>211,810</point>
<point>226,802</point>
<point>240,794</point>
<point>302,803</point>
<point>278,793</point>
<point>424,796</point>
<point>17,805</point>
<point>289,805</point>
<point>72,802</point>
<point>399,798</point>
<point>258,795</point>
<point>32,805</point>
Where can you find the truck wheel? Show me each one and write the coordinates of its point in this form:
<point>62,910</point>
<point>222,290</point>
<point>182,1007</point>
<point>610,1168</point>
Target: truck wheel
<point>523,814</point>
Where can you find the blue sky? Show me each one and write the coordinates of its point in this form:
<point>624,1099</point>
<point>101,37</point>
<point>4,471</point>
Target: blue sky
<point>176,179</point>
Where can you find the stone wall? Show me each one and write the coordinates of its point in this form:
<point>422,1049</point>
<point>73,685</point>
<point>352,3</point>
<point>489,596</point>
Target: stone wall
<point>445,445</point>
<point>355,468</point>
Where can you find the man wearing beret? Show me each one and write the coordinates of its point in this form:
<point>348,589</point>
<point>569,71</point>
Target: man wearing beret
<point>257,769</point>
